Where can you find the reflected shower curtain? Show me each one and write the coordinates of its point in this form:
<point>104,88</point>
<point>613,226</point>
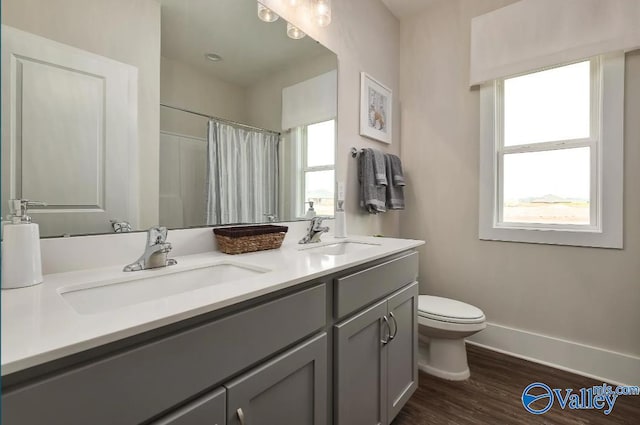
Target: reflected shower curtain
<point>242,174</point>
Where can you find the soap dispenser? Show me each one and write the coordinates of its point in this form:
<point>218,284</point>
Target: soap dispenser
<point>340,230</point>
<point>310,212</point>
<point>21,261</point>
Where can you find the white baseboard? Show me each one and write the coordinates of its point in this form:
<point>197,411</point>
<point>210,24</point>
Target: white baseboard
<point>597,363</point>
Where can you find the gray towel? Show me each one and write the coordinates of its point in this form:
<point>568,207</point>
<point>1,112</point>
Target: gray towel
<point>372,195</point>
<point>395,189</point>
<point>397,176</point>
<point>379,167</point>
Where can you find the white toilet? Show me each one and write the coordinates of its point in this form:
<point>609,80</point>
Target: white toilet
<point>443,324</point>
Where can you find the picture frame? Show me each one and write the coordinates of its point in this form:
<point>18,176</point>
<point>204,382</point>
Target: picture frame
<point>376,109</point>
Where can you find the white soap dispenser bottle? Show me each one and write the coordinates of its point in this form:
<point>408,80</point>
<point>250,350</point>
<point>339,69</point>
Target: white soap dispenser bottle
<point>310,212</point>
<point>21,261</point>
<point>340,230</point>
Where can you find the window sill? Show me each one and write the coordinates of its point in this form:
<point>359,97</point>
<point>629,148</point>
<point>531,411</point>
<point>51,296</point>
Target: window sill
<point>583,238</point>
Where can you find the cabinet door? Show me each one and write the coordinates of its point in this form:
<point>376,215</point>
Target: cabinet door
<point>209,409</point>
<point>290,389</point>
<point>360,368</point>
<point>402,349</point>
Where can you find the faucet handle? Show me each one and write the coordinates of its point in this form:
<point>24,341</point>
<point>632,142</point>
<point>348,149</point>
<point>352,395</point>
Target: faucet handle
<point>156,235</point>
<point>316,222</point>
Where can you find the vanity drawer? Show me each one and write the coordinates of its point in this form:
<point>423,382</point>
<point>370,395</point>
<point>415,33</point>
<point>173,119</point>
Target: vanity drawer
<point>138,384</point>
<point>210,409</point>
<point>357,290</point>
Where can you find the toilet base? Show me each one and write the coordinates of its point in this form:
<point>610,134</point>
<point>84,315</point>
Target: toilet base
<point>444,358</point>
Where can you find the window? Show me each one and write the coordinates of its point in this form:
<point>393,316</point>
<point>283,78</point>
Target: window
<point>552,155</point>
<point>317,167</point>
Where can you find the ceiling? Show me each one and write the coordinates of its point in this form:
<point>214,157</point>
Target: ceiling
<point>249,47</point>
<point>403,8</point>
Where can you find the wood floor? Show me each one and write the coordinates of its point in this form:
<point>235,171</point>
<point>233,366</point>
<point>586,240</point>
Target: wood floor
<point>492,396</point>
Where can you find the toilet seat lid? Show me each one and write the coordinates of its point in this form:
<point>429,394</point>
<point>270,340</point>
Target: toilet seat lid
<point>447,310</point>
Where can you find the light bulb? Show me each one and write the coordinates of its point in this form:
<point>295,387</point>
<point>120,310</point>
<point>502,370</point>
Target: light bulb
<point>294,32</point>
<point>294,3</point>
<point>322,12</point>
<point>266,14</point>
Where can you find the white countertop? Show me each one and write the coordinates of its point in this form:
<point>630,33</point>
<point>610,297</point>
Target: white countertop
<point>38,325</point>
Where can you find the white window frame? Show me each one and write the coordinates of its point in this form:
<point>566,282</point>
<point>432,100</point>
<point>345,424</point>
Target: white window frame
<point>607,156</point>
<point>303,168</point>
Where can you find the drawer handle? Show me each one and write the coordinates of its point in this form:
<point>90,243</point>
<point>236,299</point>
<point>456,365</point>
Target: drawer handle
<point>395,327</point>
<point>386,340</point>
<point>240,414</point>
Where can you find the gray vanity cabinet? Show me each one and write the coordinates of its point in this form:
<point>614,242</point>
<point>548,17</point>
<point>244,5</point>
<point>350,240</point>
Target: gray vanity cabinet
<point>290,389</point>
<point>210,409</point>
<point>137,383</point>
<point>402,350</point>
<point>360,368</point>
<point>341,353</point>
<point>376,360</point>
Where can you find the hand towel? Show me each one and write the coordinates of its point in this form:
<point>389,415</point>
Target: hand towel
<point>395,189</point>
<point>372,195</point>
<point>379,167</point>
<point>397,175</point>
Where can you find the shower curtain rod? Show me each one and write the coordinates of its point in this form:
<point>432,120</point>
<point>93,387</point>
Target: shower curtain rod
<point>239,124</point>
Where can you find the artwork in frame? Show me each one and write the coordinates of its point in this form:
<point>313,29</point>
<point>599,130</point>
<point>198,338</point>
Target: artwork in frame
<point>375,109</point>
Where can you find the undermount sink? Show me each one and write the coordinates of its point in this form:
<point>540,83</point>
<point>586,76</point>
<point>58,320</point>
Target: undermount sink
<point>147,285</point>
<point>338,248</point>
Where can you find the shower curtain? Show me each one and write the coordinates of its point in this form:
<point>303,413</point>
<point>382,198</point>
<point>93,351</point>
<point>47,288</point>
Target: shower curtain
<point>242,174</point>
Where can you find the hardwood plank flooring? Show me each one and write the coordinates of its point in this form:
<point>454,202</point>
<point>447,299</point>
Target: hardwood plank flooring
<point>492,396</point>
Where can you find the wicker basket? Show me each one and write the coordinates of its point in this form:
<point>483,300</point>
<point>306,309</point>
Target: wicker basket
<point>238,240</point>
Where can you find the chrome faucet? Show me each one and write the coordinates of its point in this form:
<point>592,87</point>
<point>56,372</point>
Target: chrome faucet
<point>155,252</point>
<point>315,231</point>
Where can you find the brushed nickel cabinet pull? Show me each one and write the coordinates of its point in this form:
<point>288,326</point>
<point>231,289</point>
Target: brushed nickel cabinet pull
<point>240,414</point>
<point>395,326</point>
<point>386,340</point>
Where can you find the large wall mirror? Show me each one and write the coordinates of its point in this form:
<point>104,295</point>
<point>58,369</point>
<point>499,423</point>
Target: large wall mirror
<point>247,115</point>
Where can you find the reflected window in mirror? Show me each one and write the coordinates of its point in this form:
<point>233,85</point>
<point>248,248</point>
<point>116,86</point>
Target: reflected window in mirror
<point>316,177</point>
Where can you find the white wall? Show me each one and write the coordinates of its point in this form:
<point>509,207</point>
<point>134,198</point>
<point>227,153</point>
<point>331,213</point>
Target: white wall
<point>365,36</point>
<point>186,87</point>
<point>582,295</point>
<point>264,97</point>
<point>89,25</point>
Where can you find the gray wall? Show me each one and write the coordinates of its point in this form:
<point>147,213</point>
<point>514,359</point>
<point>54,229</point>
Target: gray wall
<point>89,25</point>
<point>584,295</point>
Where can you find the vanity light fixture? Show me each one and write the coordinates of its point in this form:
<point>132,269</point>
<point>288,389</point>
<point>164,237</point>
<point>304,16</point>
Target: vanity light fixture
<point>322,12</point>
<point>294,32</point>
<point>265,14</point>
<point>213,57</point>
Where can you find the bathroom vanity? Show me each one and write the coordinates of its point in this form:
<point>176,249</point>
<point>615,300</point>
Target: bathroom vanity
<point>317,334</point>
<point>327,336</point>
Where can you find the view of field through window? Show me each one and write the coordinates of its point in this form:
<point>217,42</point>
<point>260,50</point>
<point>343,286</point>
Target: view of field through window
<point>547,185</point>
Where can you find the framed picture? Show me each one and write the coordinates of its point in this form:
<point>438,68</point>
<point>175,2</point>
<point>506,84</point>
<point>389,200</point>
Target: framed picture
<point>375,109</point>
